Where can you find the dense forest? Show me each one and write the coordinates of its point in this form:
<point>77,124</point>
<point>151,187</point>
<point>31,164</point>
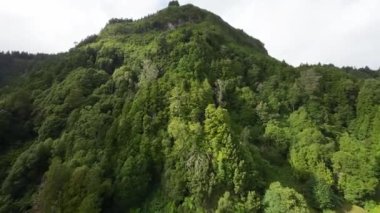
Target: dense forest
<point>180,112</point>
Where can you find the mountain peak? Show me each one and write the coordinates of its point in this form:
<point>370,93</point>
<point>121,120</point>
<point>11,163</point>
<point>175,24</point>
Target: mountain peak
<point>173,4</point>
<point>187,17</point>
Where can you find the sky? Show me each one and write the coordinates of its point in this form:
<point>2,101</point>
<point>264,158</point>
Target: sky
<point>342,32</point>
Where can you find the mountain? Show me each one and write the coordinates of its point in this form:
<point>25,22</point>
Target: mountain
<point>180,112</point>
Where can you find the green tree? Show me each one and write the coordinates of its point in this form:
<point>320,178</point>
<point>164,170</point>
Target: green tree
<point>219,136</point>
<point>173,4</point>
<point>51,197</point>
<point>279,199</point>
<point>323,194</point>
<point>225,204</point>
<point>356,169</point>
<point>28,168</point>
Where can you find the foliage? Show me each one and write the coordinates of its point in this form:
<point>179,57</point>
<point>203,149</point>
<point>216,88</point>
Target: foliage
<point>283,199</point>
<point>356,169</point>
<point>180,112</point>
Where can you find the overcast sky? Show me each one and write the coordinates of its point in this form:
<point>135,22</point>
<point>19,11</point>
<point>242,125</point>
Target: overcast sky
<point>342,32</point>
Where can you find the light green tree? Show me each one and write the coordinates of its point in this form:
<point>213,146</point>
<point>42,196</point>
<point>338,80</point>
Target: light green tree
<point>280,199</point>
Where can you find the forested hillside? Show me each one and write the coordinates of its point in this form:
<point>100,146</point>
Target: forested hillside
<point>180,112</point>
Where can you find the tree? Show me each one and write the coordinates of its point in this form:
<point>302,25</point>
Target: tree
<point>280,199</point>
<point>219,136</point>
<point>356,169</point>
<point>252,202</point>
<point>173,4</point>
<point>280,137</point>
<point>5,127</point>
<point>309,81</point>
<point>228,203</point>
<point>51,196</point>
<point>52,127</point>
<point>323,194</point>
<point>225,204</point>
<point>375,134</point>
<point>367,103</point>
<point>28,168</point>
<point>132,182</point>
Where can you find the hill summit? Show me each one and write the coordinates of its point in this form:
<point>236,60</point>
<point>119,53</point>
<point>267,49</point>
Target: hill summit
<point>180,112</point>
<point>173,4</point>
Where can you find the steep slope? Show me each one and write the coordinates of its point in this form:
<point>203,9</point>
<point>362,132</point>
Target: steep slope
<point>14,64</point>
<point>180,112</point>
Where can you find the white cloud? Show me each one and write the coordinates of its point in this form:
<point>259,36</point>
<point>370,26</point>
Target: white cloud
<point>54,25</point>
<point>343,32</point>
